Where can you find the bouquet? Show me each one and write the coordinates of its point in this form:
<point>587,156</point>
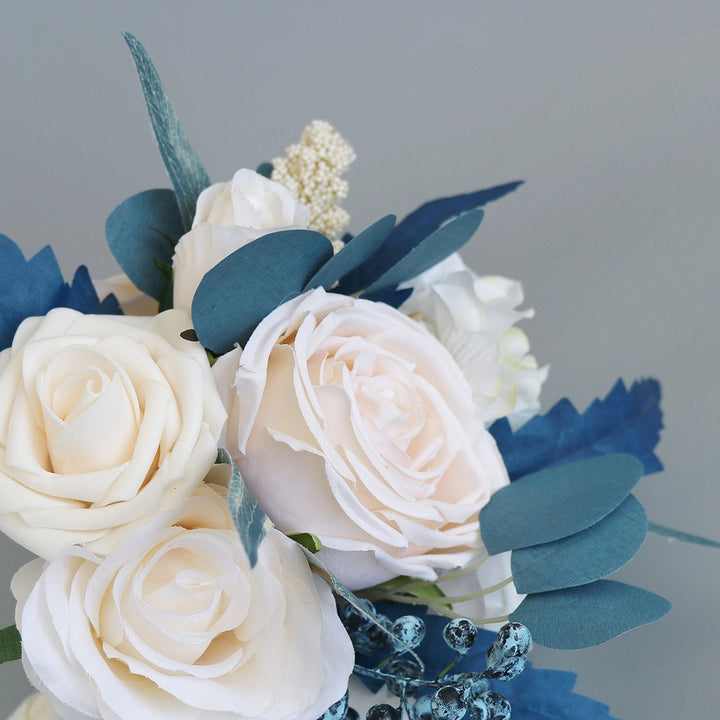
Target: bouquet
<point>276,470</point>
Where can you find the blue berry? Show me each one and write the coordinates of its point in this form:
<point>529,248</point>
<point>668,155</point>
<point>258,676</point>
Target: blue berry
<point>372,637</point>
<point>382,711</point>
<point>353,619</point>
<point>497,705</point>
<point>337,710</point>
<point>460,634</point>
<point>470,684</point>
<point>409,631</point>
<point>352,714</point>
<point>447,704</point>
<point>506,657</point>
<point>422,709</point>
<point>404,669</point>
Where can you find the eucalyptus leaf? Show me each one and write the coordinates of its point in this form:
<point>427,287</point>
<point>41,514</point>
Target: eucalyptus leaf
<point>356,252</point>
<point>142,232</point>
<point>583,557</point>
<point>245,287</point>
<point>10,645</point>
<point>430,251</point>
<point>250,520</point>
<point>182,163</point>
<point>557,502</point>
<point>588,615</point>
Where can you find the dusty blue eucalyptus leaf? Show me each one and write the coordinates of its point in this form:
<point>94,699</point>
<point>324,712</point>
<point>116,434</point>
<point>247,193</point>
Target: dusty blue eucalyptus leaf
<point>354,253</point>
<point>559,501</point>
<point>588,615</point>
<point>626,421</point>
<point>428,252</point>
<point>141,231</point>
<point>245,287</point>
<point>414,228</point>
<point>250,519</point>
<point>182,163</point>
<point>583,557</point>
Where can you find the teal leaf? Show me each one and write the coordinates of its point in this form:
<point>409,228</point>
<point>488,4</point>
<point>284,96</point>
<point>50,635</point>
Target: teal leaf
<point>583,557</point>
<point>182,163</point>
<point>10,646</point>
<point>588,615</point>
<point>235,295</point>
<point>141,231</point>
<point>356,252</point>
<point>682,536</point>
<point>250,520</point>
<point>556,502</point>
<point>265,169</point>
<point>430,251</point>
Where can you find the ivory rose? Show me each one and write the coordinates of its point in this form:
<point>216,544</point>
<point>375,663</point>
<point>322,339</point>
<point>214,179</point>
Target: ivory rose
<point>228,216</point>
<point>474,317</point>
<point>104,421</point>
<point>350,421</point>
<point>35,707</point>
<point>174,624</point>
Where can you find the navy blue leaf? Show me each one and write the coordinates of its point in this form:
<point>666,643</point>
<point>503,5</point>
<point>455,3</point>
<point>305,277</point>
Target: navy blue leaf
<point>141,231</point>
<point>414,228</point>
<point>584,557</point>
<point>390,297</point>
<point>588,615</point>
<point>250,520</point>
<point>428,252</point>
<point>182,163</point>
<point>625,421</point>
<point>353,254</point>
<point>235,295</point>
<point>36,286</point>
<point>535,694</point>
<point>557,502</point>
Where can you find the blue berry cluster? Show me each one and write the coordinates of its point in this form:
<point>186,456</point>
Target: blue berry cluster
<point>448,695</point>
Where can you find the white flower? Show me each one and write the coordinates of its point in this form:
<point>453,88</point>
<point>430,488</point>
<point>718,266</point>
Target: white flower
<point>104,420</point>
<point>35,707</point>
<point>350,421</point>
<point>474,318</point>
<point>175,625</point>
<point>312,170</point>
<point>228,216</point>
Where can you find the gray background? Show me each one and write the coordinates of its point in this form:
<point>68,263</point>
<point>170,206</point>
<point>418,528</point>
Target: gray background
<point>609,111</point>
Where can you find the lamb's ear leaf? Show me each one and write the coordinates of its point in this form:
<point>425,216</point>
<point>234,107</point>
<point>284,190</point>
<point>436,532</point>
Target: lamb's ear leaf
<point>182,162</point>
<point>142,230</point>
<point>587,615</point>
<point>250,520</point>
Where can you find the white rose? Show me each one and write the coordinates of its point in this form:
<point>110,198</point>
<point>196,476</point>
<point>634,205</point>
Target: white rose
<point>175,625</point>
<point>350,421</point>
<point>36,707</point>
<point>104,420</point>
<point>229,216</point>
<point>473,317</point>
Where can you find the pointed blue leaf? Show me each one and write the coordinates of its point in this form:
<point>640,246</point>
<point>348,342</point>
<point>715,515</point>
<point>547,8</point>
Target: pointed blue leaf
<point>390,297</point>
<point>353,254</point>
<point>588,615</point>
<point>583,557</point>
<point>414,228</point>
<point>182,163</point>
<point>559,501</point>
<point>428,252</point>
<point>235,295</point>
<point>625,421</point>
<point>250,520</point>
<point>142,229</point>
<point>36,286</point>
